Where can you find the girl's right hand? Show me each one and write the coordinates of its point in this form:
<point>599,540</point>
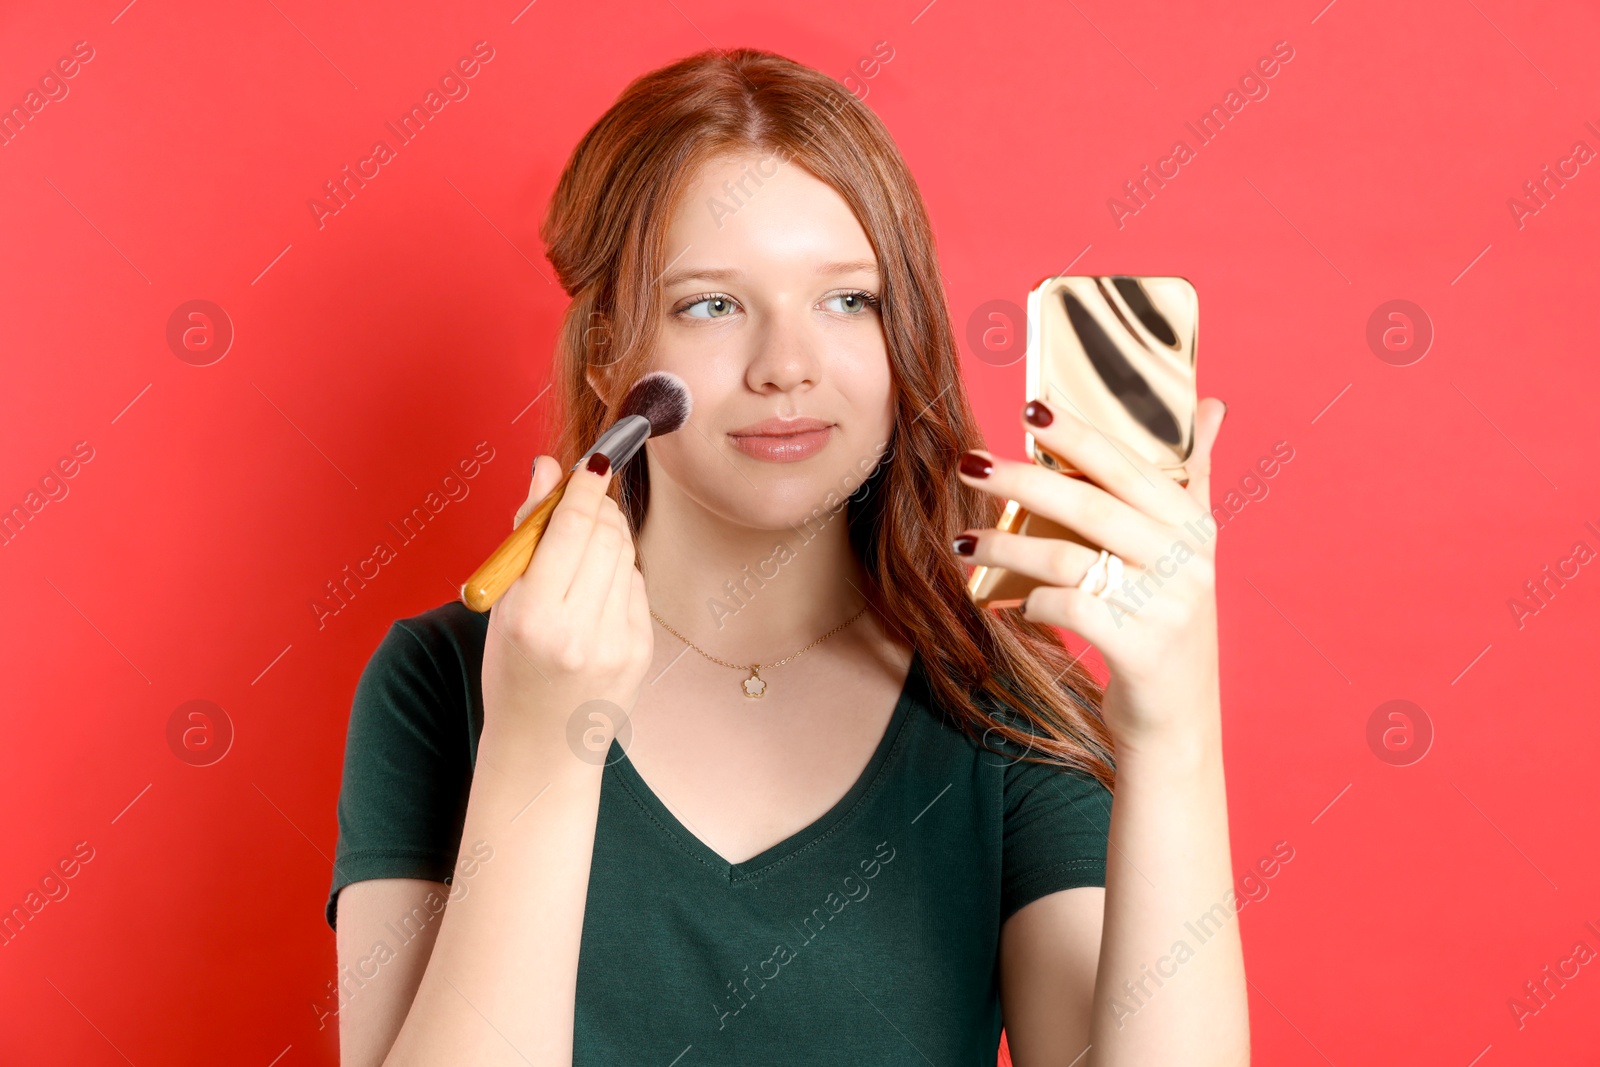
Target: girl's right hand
<point>575,626</point>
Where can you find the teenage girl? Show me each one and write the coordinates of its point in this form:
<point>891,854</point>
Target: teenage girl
<point>736,773</point>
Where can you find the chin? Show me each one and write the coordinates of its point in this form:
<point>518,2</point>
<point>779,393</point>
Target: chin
<point>782,500</point>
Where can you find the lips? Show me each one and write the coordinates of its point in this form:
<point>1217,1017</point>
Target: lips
<point>782,440</point>
<point>780,427</point>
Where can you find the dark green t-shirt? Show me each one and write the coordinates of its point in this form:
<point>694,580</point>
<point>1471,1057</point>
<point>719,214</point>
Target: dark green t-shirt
<point>872,934</point>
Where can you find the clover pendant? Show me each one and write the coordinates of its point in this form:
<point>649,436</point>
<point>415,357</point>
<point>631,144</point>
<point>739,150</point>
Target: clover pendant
<point>754,686</point>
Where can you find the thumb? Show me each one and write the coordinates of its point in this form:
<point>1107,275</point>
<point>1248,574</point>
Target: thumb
<point>546,473</point>
<point>1208,424</point>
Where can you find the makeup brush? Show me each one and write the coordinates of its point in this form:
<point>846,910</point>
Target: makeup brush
<point>657,404</point>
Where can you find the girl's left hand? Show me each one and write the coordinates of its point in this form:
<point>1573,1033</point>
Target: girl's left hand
<point>1157,628</point>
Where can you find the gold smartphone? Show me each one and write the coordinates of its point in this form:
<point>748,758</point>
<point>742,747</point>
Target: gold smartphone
<point>1117,351</point>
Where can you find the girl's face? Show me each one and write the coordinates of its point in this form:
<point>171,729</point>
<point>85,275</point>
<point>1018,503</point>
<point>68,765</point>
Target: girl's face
<point>771,317</point>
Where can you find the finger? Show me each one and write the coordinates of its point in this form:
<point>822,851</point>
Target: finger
<point>614,619</point>
<point>1054,560</point>
<point>1109,463</point>
<point>1208,423</point>
<point>1096,620</point>
<point>546,473</point>
<point>591,584</point>
<point>1074,503</point>
<point>639,605</point>
<point>555,558</point>
<point>616,608</point>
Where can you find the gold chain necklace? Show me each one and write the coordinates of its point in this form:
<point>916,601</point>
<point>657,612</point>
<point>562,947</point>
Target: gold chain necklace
<point>755,686</point>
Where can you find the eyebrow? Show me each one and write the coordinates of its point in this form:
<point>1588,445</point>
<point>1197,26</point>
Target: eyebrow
<point>722,274</point>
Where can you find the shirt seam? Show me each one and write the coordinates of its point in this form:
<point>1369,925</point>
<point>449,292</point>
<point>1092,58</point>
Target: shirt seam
<point>726,871</point>
<point>1024,885</point>
<point>438,672</point>
<point>680,844</point>
<point>357,853</point>
<point>850,816</point>
<point>1060,865</point>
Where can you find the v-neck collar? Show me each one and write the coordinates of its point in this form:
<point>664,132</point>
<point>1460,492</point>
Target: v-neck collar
<point>802,839</point>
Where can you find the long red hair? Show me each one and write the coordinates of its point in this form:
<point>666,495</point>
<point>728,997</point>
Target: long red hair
<point>1009,683</point>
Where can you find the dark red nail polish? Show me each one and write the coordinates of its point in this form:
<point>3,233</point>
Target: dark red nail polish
<point>1037,414</point>
<point>964,545</point>
<point>975,466</point>
<point>599,463</point>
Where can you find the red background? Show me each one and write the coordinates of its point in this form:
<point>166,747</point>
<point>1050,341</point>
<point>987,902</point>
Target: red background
<point>373,353</point>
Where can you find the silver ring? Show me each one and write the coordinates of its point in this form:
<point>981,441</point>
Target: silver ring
<point>1103,575</point>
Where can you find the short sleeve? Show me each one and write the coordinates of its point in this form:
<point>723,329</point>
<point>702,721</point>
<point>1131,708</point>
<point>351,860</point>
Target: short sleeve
<point>1057,823</point>
<point>407,769</point>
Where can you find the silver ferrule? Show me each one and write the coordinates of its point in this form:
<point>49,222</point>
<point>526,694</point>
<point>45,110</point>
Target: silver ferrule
<point>620,441</point>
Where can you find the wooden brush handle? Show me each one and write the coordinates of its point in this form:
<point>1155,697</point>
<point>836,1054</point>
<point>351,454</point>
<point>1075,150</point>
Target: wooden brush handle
<point>506,564</point>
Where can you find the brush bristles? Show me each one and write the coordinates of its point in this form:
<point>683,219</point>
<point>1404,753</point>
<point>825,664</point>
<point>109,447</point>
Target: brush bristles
<point>663,398</point>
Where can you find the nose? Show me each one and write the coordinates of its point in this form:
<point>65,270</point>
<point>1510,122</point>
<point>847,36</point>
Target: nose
<point>787,355</point>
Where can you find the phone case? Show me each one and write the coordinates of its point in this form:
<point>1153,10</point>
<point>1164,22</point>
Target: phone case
<point>1117,351</point>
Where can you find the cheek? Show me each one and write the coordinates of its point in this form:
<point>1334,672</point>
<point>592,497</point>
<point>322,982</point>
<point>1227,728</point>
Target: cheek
<point>868,387</point>
<point>712,374</point>
<point>677,455</point>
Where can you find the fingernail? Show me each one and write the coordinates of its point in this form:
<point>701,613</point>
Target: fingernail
<point>1037,414</point>
<point>975,466</point>
<point>536,466</point>
<point>599,463</point>
<point>964,545</point>
<point>1224,409</point>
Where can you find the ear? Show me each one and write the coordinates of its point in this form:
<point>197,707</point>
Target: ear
<point>600,376</point>
<point>596,378</point>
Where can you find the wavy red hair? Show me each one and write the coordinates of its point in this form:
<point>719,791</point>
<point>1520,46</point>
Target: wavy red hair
<point>1010,684</point>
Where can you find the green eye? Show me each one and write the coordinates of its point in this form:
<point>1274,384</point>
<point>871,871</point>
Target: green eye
<point>856,301</point>
<point>719,307</point>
